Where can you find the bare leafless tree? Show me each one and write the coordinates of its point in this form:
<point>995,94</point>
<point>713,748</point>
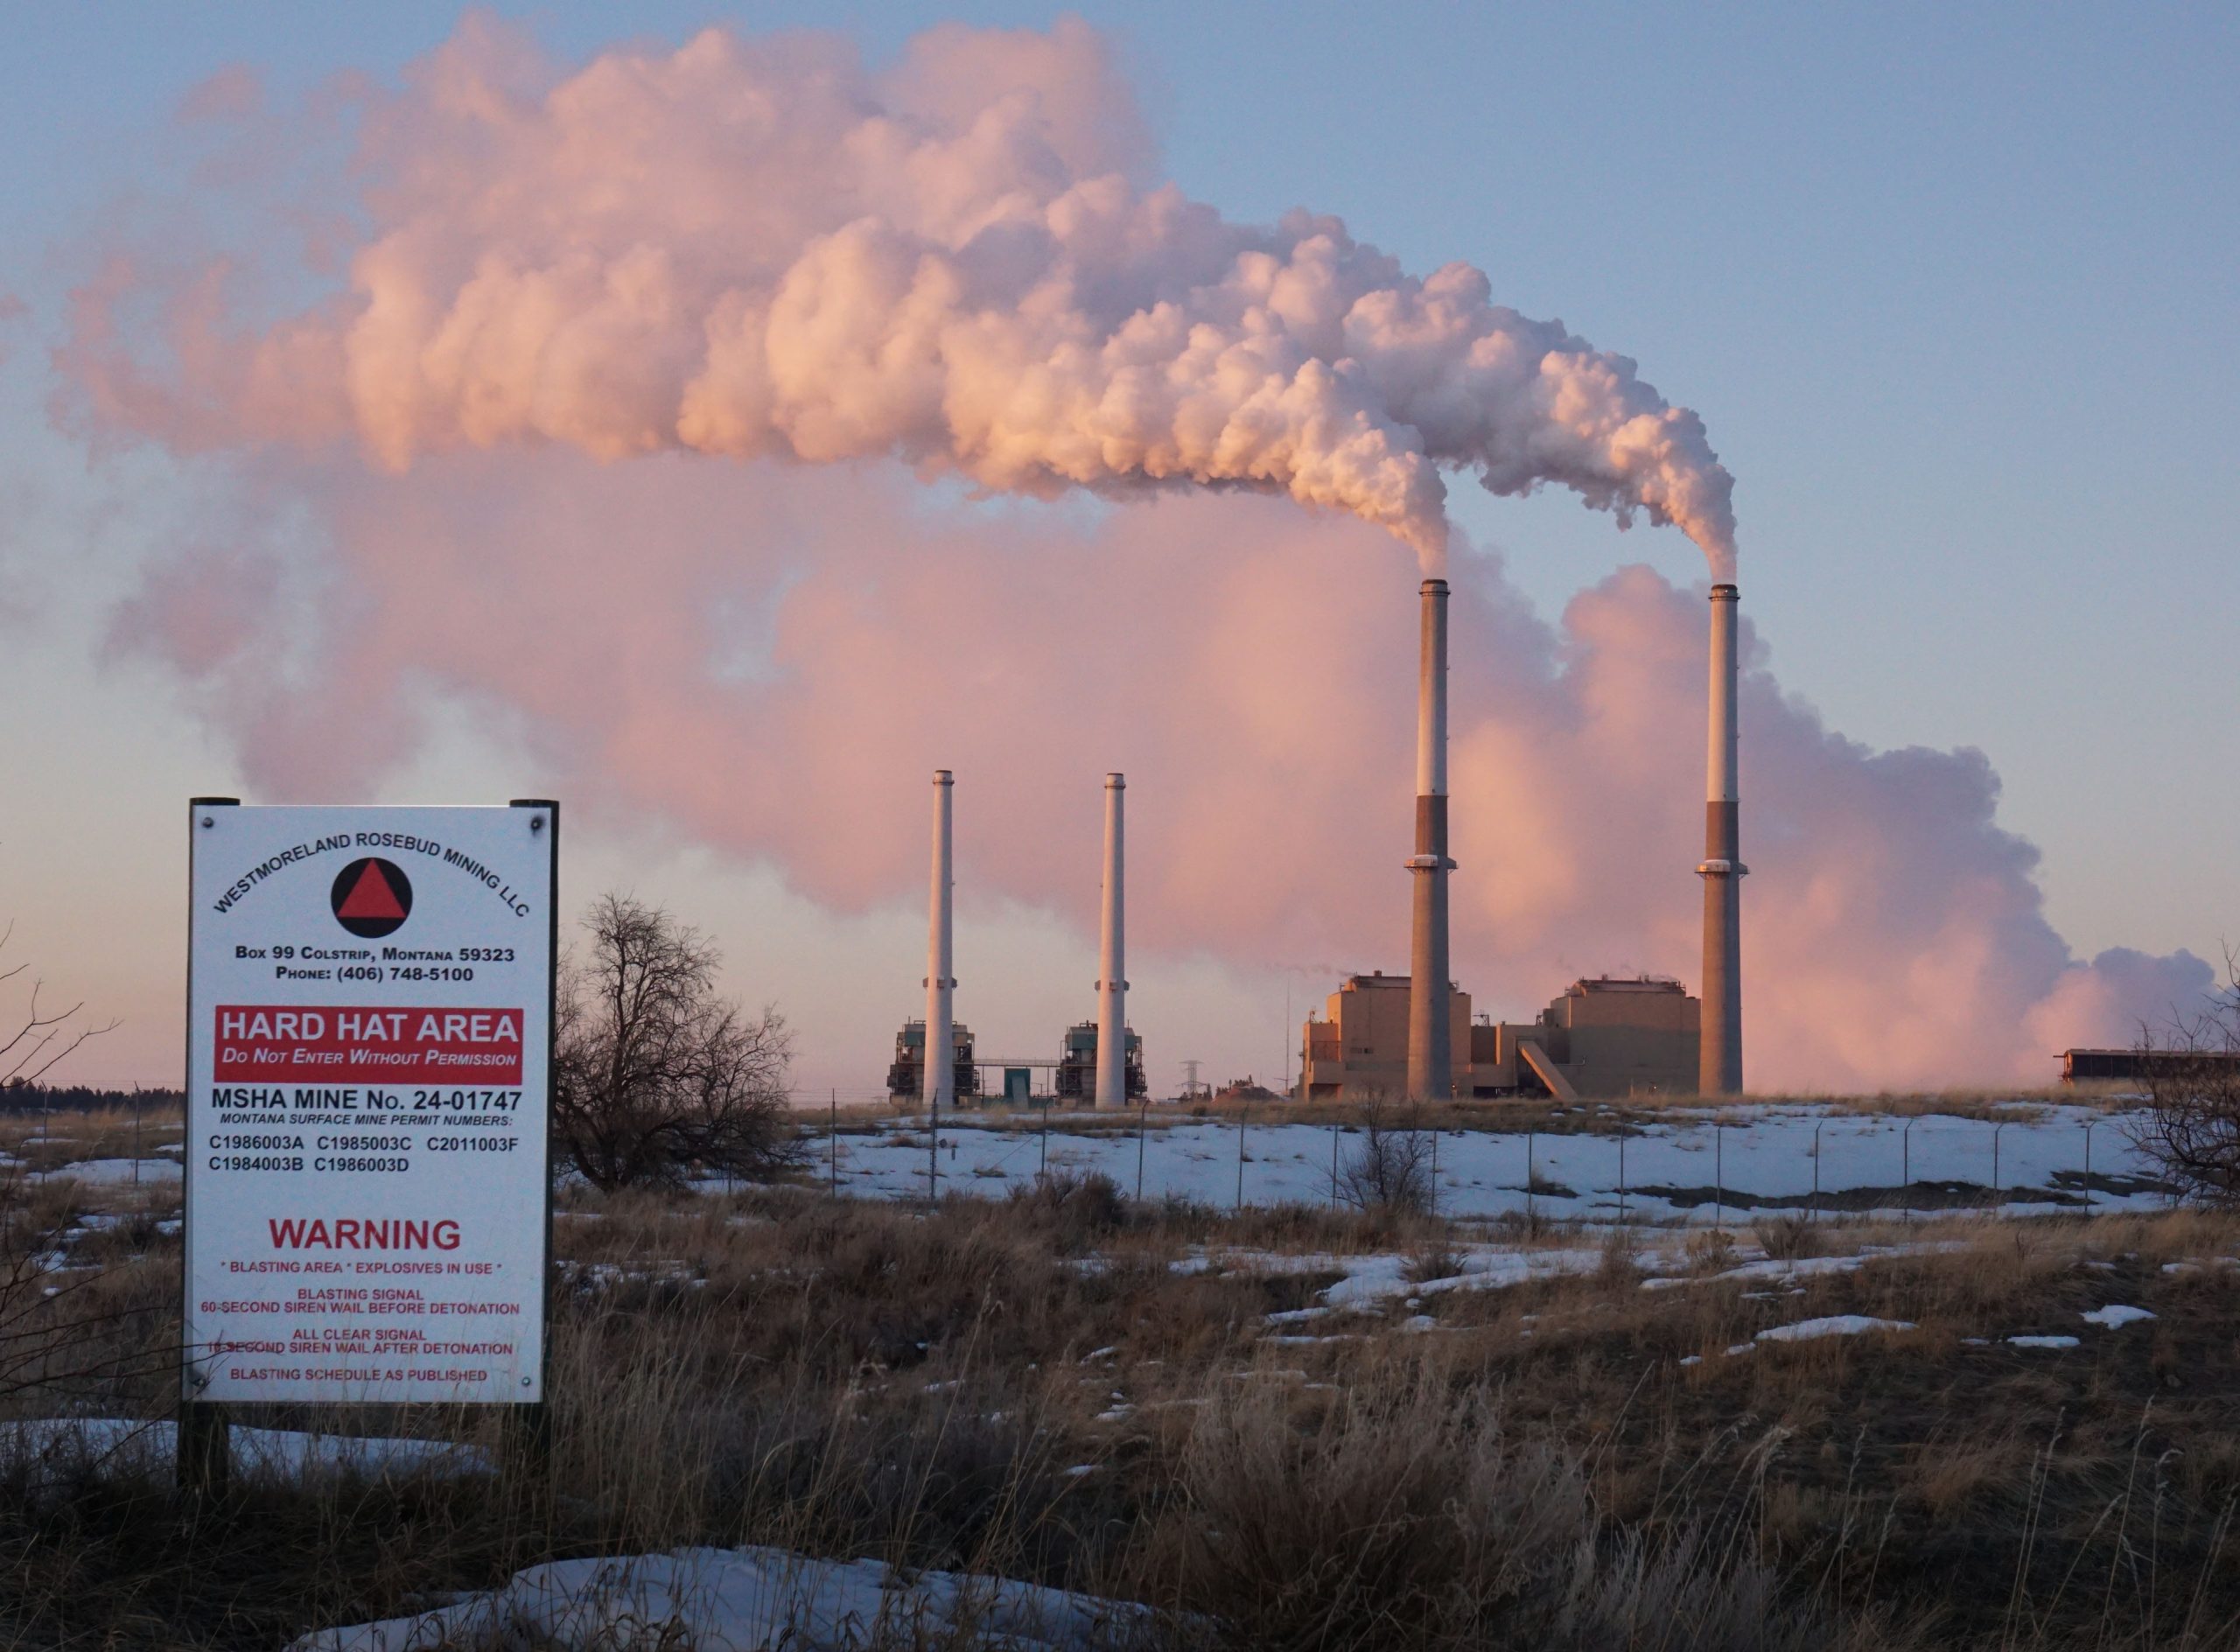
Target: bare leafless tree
<point>42,1036</point>
<point>657,1075</point>
<point>2189,1129</point>
<point>1390,1168</point>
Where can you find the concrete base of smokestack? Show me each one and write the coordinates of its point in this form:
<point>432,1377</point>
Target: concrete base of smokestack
<point>1722,870</point>
<point>1721,1070</point>
<point>1112,961</point>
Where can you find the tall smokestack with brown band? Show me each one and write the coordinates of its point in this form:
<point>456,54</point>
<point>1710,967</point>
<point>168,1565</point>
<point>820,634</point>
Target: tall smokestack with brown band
<point>1430,1037</point>
<point>1722,870</point>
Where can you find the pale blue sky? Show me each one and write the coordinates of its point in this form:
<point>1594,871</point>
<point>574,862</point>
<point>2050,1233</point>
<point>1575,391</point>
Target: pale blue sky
<point>1953,287</point>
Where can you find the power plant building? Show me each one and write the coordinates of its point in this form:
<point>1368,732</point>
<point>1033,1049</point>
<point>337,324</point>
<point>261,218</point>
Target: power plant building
<point>905,1078</point>
<point>1604,1036</point>
<point>1076,1077</point>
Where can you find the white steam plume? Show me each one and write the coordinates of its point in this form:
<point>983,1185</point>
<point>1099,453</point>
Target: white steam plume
<point>758,247</point>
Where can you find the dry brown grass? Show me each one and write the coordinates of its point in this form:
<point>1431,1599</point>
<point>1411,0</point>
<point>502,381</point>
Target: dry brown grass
<point>47,1146</point>
<point>1540,1469</point>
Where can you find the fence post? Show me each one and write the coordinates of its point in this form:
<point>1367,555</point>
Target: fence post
<point>1048,1101</point>
<point>1996,1128</point>
<point>2088,1162</point>
<point>1816,1170</point>
<point>836,1144</point>
<point>934,1157</point>
<point>1621,1175</point>
<point>1718,1176</point>
<point>203,1458</point>
<point>1334,1166</point>
<point>1906,1167</point>
<point>1434,1170</point>
<point>1527,1174</point>
<point>1143,1128</point>
<point>1244,1113</point>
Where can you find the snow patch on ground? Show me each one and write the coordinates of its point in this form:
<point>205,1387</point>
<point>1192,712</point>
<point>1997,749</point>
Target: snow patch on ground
<point>741,1599</point>
<point>1808,1267</point>
<point>1374,1279</point>
<point>1681,1164</point>
<point>107,1172</point>
<point>601,1276</point>
<point>2115,1314</point>
<point>2043,1341</point>
<point>1834,1325</point>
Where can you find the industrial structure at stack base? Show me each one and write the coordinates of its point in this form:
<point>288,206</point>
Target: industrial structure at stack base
<point>1081,1067</point>
<point>1602,1036</point>
<point>1069,1077</point>
<point>906,1075</point>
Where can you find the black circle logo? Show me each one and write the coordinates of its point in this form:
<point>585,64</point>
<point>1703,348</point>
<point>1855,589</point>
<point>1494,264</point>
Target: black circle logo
<point>371,898</point>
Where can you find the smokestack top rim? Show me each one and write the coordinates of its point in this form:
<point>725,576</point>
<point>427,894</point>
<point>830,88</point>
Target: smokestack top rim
<point>1433,587</point>
<point>941,777</point>
<point>1726,592</point>
<point>1115,781</point>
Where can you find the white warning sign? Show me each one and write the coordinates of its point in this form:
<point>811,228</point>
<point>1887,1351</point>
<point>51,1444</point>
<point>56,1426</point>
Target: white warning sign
<point>369,1026</point>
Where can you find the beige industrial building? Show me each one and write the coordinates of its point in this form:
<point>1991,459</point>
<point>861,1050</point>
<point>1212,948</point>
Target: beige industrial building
<point>1602,1036</point>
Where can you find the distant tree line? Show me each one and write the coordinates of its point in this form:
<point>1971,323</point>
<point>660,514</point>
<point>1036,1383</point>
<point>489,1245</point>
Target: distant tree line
<point>20,1097</point>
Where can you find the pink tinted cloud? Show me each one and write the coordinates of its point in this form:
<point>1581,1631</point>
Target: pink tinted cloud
<point>773,660</point>
<point>233,93</point>
<point>752,248</point>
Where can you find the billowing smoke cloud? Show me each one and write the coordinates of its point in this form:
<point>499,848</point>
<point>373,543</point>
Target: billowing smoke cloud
<point>758,248</point>
<point>772,660</point>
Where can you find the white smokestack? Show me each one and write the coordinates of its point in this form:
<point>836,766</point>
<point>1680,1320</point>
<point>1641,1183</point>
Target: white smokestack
<point>1112,957</point>
<point>1721,1064</point>
<point>941,1055</point>
<point>1431,1035</point>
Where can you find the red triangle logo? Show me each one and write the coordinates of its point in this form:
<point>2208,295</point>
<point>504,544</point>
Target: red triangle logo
<point>371,897</point>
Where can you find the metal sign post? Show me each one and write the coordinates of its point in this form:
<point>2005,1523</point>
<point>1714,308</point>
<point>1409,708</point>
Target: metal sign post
<point>369,1061</point>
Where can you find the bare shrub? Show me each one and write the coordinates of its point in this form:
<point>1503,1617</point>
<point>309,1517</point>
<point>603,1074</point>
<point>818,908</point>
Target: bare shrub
<point>656,1076</point>
<point>2190,1127</point>
<point>1437,1260</point>
<point>1080,1206</point>
<point>1621,1264</point>
<point>1787,1237</point>
<point>1711,1250</point>
<point>1390,1168</point>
